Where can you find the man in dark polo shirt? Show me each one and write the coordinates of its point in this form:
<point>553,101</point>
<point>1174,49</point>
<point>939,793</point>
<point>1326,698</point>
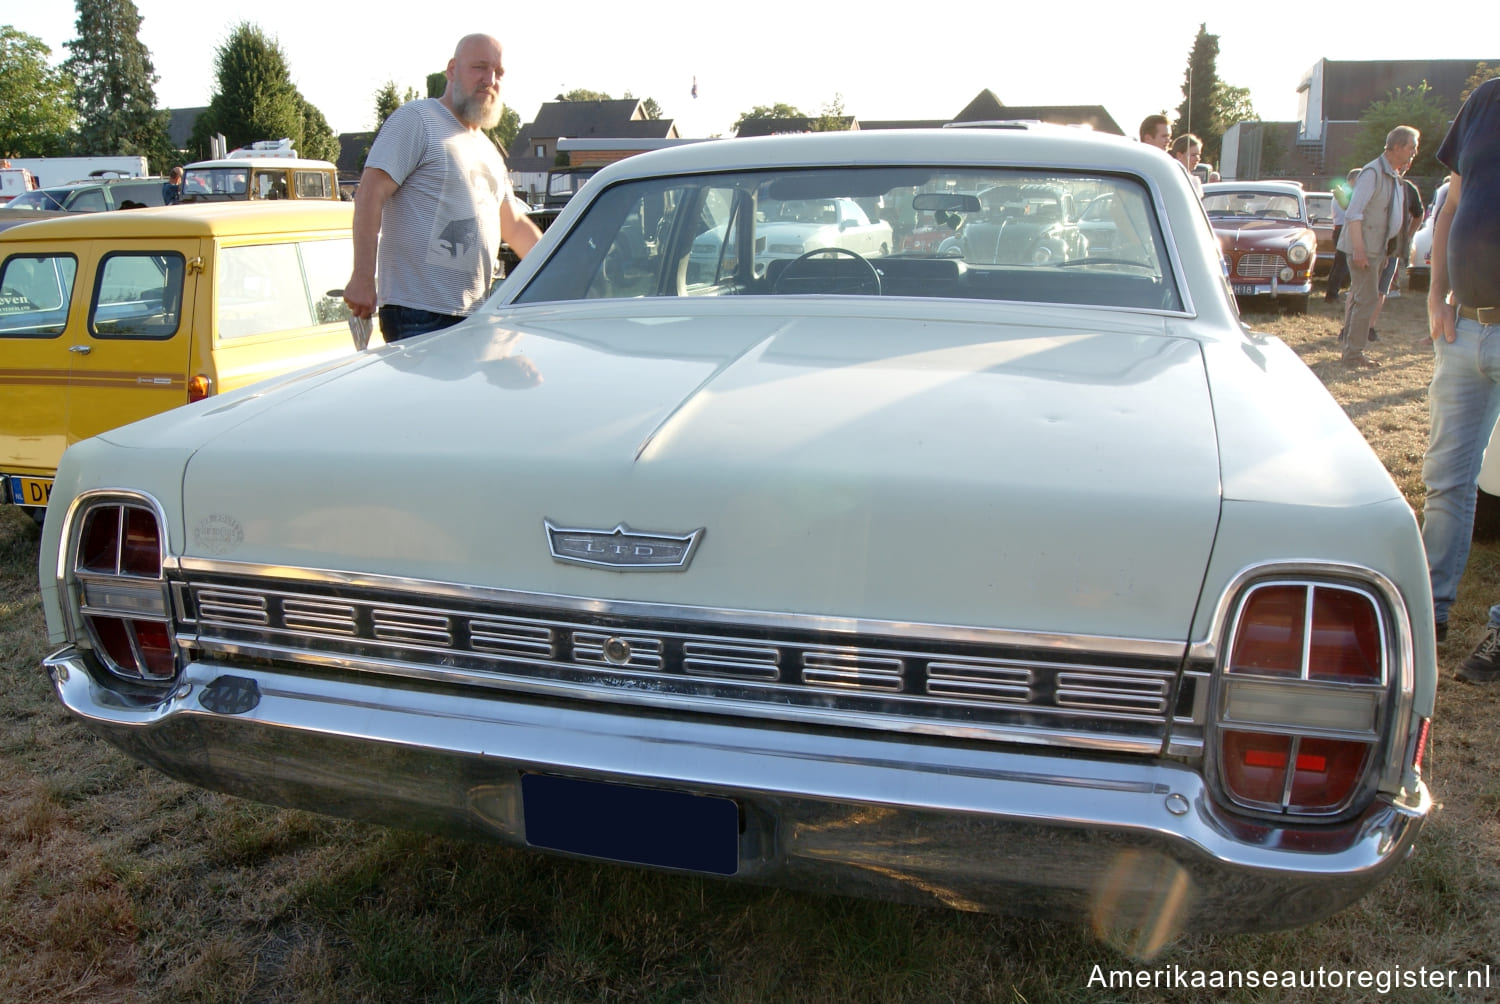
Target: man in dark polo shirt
<point>1463,309</point>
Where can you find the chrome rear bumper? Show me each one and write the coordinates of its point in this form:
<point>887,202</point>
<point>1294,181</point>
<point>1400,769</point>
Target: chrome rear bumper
<point>1128,845</point>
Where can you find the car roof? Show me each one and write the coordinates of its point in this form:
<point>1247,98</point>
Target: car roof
<point>1018,144</point>
<point>298,162</point>
<point>200,219</point>
<point>72,186</point>
<point>1267,187</point>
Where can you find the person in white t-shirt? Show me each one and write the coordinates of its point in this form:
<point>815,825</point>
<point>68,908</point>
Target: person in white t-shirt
<point>434,203</point>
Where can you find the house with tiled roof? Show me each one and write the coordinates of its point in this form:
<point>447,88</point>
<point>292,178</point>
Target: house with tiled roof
<point>535,151</point>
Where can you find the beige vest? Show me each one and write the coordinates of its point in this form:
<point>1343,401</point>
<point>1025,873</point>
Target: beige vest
<point>1376,225</point>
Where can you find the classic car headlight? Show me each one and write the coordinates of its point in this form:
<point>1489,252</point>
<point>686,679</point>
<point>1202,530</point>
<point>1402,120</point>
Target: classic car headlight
<point>114,562</point>
<point>1298,253</point>
<point>1303,699</point>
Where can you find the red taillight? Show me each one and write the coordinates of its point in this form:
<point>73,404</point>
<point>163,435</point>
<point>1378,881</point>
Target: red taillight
<point>1326,773</point>
<point>140,553</point>
<point>1346,643</point>
<point>114,639</point>
<point>1255,767</point>
<point>155,646</point>
<point>122,600</point>
<point>1271,631</point>
<point>1302,698</point>
<point>199,387</point>
<point>99,543</point>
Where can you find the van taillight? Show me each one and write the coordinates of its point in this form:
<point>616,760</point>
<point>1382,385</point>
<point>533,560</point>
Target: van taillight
<point>1303,697</point>
<point>199,387</point>
<point>122,599</point>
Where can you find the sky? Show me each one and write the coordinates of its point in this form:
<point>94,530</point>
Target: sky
<point>899,64</point>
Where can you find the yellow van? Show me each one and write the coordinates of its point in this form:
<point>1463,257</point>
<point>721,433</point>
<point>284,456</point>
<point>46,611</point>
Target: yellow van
<point>106,318</point>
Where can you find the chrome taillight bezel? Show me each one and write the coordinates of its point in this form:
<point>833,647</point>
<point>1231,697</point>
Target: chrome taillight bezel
<point>1372,714</point>
<point>125,591</point>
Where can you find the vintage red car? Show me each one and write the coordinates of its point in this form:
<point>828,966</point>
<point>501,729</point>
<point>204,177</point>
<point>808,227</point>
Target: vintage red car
<point>1267,239</point>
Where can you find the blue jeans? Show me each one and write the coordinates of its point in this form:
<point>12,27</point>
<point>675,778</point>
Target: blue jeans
<point>1464,400</point>
<point>397,323</point>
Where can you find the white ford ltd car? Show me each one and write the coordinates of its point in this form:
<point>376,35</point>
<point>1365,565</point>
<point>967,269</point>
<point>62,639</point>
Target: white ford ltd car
<point>1041,587</point>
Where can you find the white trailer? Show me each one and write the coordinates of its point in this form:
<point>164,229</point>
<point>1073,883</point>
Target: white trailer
<point>50,171</point>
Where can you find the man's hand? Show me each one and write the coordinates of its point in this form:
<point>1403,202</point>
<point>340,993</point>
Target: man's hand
<point>1441,315</point>
<point>359,294</point>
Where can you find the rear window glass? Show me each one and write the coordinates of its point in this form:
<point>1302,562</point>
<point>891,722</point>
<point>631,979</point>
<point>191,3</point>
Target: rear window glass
<point>137,295</point>
<point>35,293</point>
<point>974,233</point>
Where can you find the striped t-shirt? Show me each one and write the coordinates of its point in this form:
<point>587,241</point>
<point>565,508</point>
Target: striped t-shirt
<point>440,229</point>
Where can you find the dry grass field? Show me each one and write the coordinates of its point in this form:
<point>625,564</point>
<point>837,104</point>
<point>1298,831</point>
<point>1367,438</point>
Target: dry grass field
<point>117,884</point>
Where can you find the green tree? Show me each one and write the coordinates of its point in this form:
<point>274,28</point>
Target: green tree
<point>780,110</point>
<point>36,99</point>
<point>651,108</point>
<point>580,94</point>
<point>1418,107</point>
<point>1482,72</point>
<point>318,140</point>
<point>255,99</point>
<point>1209,105</point>
<point>115,85</point>
<point>388,99</point>
<point>504,132</point>
<point>437,83</point>
<point>833,118</point>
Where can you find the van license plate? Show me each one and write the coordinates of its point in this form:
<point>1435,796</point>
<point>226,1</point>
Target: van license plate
<point>1244,291</point>
<point>645,826</point>
<point>30,491</point>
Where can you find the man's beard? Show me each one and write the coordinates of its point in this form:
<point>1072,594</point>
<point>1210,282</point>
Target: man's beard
<point>478,111</point>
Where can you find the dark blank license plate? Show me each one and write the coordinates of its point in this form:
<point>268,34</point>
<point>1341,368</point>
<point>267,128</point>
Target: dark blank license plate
<point>646,826</point>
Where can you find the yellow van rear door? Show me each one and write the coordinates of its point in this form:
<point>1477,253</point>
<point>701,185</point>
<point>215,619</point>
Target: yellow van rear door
<point>39,289</point>
<point>133,352</point>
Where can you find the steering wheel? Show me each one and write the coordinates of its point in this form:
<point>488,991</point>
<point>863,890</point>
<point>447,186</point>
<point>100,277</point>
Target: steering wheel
<point>839,283</point>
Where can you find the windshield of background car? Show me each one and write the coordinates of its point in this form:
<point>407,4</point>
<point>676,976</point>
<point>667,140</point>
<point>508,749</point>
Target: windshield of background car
<point>39,199</point>
<point>214,184</point>
<point>1259,205</point>
<point>993,234</point>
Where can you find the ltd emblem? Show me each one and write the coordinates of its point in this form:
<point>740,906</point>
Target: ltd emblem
<point>622,549</point>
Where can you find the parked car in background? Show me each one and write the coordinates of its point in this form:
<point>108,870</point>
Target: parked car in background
<point>93,196</point>
<point>1040,586</point>
<point>1320,217</point>
<point>109,317</point>
<point>243,178</point>
<point>1419,255</point>
<point>1022,224</point>
<point>1267,239</point>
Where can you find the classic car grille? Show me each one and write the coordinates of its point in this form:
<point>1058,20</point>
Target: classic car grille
<point>1007,689</point>
<point>1259,266</point>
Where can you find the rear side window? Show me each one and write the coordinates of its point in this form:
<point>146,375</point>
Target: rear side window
<point>269,185</point>
<point>88,200</point>
<point>282,287</point>
<point>137,195</point>
<point>35,294</point>
<point>313,185</point>
<point>137,295</point>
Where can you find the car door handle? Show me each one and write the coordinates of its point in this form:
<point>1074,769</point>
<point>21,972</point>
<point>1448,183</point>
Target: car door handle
<point>82,350</point>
